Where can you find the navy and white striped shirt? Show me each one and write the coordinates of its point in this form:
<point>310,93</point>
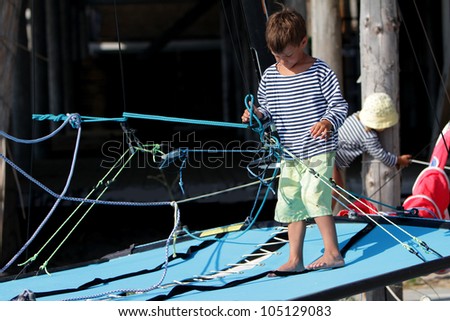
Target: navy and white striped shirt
<point>295,103</point>
<point>354,140</point>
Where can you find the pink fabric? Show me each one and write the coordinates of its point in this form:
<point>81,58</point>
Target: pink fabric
<point>431,194</point>
<point>431,191</point>
<point>440,152</point>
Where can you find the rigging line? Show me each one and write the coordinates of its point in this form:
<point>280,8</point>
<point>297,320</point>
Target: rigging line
<point>44,265</point>
<point>171,236</point>
<point>424,83</point>
<point>403,244</point>
<point>237,50</point>
<point>249,224</point>
<point>52,210</point>
<point>426,163</point>
<point>185,120</point>
<point>264,7</point>
<point>18,185</point>
<point>420,242</point>
<point>441,78</point>
<point>383,216</point>
<point>78,199</point>
<point>397,172</point>
<point>85,119</point>
<point>73,118</point>
<point>338,190</point>
<point>418,64</point>
<point>394,295</point>
<point>188,254</point>
<point>406,246</point>
<point>33,125</point>
<point>374,201</point>
<point>227,190</point>
<point>255,202</point>
<point>100,183</point>
<point>355,197</point>
<point>122,77</point>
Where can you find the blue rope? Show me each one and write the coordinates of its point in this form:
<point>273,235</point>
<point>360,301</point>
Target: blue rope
<point>372,200</point>
<point>87,119</point>
<point>250,220</point>
<point>259,128</point>
<point>185,120</point>
<point>73,119</point>
<point>55,205</point>
<point>183,165</point>
<point>78,199</point>
<point>127,115</point>
<point>165,266</point>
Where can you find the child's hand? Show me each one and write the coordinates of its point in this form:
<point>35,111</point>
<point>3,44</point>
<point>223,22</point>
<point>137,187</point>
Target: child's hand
<point>403,160</point>
<point>246,115</point>
<point>321,129</point>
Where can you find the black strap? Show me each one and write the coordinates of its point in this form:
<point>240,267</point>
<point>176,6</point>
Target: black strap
<point>98,281</point>
<point>183,288</point>
<point>180,289</point>
<point>355,238</point>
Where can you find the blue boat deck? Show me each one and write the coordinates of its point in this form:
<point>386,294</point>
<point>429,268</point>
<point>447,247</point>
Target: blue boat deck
<point>234,266</point>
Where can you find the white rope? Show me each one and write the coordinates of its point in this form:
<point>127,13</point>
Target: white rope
<point>392,293</point>
<point>426,163</point>
<point>223,191</point>
<point>406,246</point>
<point>113,293</point>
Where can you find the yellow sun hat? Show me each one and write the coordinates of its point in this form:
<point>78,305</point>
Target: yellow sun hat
<point>378,112</point>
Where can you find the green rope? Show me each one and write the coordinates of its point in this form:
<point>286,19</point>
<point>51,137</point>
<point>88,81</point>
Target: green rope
<point>100,183</point>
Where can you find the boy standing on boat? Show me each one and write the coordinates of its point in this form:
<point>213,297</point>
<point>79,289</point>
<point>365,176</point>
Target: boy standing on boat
<point>300,94</point>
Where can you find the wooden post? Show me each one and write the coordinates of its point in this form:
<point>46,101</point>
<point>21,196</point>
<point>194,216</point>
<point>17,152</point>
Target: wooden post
<point>326,35</point>
<point>379,41</point>
<point>326,41</point>
<point>379,27</point>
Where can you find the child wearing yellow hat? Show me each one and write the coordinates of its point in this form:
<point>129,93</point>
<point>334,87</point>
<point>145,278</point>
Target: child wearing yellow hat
<point>359,134</point>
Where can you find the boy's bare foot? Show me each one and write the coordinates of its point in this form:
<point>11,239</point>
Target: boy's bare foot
<point>326,262</point>
<point>286,269</point>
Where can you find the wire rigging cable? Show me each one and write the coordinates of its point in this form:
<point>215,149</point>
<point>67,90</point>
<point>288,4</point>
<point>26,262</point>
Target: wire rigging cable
<point>419,67</point>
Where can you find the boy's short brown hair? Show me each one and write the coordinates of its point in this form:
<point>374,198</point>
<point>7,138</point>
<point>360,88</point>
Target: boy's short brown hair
<point>284,27</point>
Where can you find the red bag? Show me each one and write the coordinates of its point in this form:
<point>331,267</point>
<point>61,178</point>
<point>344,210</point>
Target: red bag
<point>360,206</point>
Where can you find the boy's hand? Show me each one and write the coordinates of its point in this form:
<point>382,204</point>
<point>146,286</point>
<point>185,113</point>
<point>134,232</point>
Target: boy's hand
<point>246,115</point>
<point>322,129</point>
